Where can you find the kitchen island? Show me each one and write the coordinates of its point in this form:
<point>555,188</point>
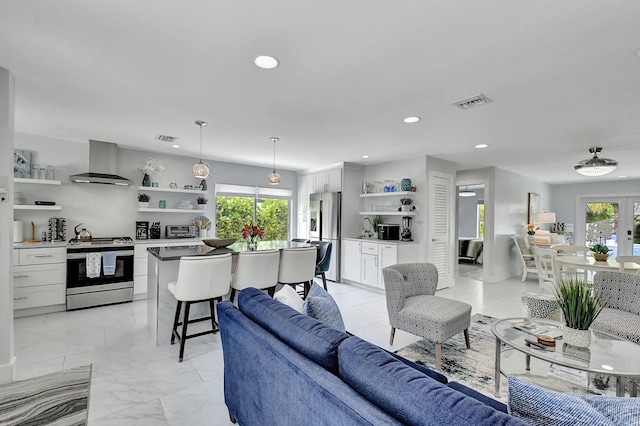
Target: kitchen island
<point>162,268</point>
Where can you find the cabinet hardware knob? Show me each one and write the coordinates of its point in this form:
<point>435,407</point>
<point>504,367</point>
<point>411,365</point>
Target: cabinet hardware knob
<point>20,298</point>
<point>21,276</point>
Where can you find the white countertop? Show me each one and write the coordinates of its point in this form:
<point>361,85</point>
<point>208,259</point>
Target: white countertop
<point>375,240</point>
<point>40,244</point>
<point>186,241</point>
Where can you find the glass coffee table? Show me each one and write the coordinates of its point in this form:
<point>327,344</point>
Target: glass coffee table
<point>607,354</point>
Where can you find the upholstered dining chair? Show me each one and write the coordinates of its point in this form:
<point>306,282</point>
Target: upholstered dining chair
<point>547,269</point>
<point>628,259</point>
<point>300,240</point>
<point>412,306</point>
<point>298,266</point>
<point>525,256</point>
<point>200,279</point>
<point>323,259</point>
<point>257,269</point>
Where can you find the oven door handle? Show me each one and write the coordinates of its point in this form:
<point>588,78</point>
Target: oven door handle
<point>121,253</point>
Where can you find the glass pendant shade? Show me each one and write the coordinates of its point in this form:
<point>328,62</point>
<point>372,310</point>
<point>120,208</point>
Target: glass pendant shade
<point>200,170</point>
<point>466,192</point>
<point>595,166</point>
<point>274,177</point>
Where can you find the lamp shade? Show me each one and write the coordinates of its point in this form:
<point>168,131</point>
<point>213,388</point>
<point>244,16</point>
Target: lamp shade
<point>595,166</point>
<point>545,217</point>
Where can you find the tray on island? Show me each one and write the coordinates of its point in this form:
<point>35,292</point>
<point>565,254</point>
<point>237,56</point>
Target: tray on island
<point>219,242</point>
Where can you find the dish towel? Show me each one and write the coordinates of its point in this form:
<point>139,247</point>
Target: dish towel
<point>94,261</point>
<point>109,262</point>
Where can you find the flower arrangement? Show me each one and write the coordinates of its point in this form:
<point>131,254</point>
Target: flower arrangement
<point>143,198</point>
<point>531,229</point>
<point>149,167</point>
<point>597,233</point>
<point>201,200</point>
<point>252,232</point>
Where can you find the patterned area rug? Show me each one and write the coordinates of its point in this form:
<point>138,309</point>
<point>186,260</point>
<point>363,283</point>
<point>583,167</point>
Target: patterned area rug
<point>60,398</point>
<point>473,367</point>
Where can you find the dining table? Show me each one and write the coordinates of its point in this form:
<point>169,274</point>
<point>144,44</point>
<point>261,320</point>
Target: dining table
<point>162,269</point>
<point>590,264</point>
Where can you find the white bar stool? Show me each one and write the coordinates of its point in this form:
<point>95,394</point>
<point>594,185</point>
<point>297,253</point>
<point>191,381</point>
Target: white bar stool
<point>257,269</point>
<point>200,279</point>
<point>298,266</point>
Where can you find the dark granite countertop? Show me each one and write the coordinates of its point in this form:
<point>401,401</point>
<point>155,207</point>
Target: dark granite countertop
<point>175,253</point>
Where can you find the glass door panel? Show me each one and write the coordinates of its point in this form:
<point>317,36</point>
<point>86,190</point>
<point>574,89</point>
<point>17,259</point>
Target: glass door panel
<point>601,220</point>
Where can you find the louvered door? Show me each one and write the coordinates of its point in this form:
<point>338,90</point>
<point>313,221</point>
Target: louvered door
<point>441,226</point>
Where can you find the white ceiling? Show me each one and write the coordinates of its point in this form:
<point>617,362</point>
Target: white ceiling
<point>563,76</point>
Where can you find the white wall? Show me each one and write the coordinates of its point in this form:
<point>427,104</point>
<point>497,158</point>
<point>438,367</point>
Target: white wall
<point>7,358</point>
<point>107,210</point>
<point>468,214</point>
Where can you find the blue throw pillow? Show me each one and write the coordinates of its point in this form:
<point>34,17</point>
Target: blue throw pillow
<point>321,306</point>
<point>540,406</point>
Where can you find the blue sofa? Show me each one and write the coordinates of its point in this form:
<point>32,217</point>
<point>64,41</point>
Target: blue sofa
<point>282,367</point>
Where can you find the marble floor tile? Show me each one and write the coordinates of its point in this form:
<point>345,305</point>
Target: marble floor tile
<point>136,382</point>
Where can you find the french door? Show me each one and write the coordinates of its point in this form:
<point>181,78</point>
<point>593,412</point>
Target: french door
<point>614,221</point>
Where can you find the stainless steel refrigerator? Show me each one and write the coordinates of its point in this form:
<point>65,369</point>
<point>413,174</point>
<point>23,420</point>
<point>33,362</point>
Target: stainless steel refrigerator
<point>324,225</point>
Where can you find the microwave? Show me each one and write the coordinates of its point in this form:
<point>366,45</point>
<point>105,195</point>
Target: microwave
<point>388,231</point>
<point>180,231</point>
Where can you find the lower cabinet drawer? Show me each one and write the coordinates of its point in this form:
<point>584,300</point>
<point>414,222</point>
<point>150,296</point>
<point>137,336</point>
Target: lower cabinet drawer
<point>36,275</point>
<point>39,256</point>
<point>44,295</point>
<point>370,248</point>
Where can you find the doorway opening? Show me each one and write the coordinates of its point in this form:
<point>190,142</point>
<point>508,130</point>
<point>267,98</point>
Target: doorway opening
<point>470,230</point>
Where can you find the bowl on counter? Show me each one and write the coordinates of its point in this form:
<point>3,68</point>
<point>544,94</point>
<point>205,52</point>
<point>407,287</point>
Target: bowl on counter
<point>219,242</point>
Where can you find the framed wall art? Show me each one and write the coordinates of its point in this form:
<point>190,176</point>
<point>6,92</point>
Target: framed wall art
<point>21,163</point>
<point>533,206</point>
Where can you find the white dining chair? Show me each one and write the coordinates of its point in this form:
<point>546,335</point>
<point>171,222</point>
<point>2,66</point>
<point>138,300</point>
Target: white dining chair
<point>525,256</point>
<point>257,269</point>
<point>298,266</point>
<point>200,279</point>
<point>569,250</point>
<point>628,259</point>
<point>547,270</point>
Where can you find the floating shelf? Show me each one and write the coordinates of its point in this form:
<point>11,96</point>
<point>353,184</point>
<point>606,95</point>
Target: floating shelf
<point>158,210</point>
<point>388,213</point>
<point>37,181</point>
<point>176,190</point>
<point>34,207</point>
<point>386,194</point>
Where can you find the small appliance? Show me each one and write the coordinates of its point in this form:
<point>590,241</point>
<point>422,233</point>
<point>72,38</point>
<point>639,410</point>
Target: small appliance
<point>388,231</point>
<point>180,231</point>
<point>406,229</point>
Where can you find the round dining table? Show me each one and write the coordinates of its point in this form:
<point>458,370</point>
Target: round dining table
<point>590,264</point>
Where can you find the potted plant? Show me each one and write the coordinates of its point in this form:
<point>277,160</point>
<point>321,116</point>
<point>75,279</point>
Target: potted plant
<point>580,307</point>
<point>531,232</point>
<point>202,203</point>
<point>600,251</point>
<point>143,200</point>
<point>149,168</point>
<point>377,220</point>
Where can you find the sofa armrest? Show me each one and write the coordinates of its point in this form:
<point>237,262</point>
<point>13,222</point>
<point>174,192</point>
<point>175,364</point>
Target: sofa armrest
<point>478,396</point>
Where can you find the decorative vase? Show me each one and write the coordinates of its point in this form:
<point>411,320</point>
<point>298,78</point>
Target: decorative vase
<point>203,185</point>
<point>531,238</point>
<point>202,206</point>
<point>146,180</point>
<point>203,233</point>
<point>143,204</point>
<point>602,257</point>
<point>575,337</point>
<point>405,184</point>
<point>252,243</point>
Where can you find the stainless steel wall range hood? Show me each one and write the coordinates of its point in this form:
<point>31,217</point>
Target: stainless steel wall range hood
<point>102,165</point>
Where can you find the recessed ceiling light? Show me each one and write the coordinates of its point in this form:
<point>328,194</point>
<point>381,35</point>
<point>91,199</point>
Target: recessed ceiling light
<point>411,119</point>
<point>365,156</point>
<point>175,146</point>
<point>482,145</point>
<point>266,62</point>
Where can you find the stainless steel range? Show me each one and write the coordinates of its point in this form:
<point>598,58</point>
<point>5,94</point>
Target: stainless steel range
<point>99,271</point>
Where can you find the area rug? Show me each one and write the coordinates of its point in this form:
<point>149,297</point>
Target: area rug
<point>60,399</point>
<point>473,367</point>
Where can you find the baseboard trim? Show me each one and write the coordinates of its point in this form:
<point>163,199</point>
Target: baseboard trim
<point>8,371</point>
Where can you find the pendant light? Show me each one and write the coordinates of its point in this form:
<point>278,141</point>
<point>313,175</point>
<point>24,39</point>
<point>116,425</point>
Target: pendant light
<point>466,192</point>
<point>595,166</point>
<point>274,177</point>
<point>200,170</point>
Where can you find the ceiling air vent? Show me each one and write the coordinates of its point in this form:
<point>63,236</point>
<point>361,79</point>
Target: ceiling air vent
<point>472,101</point>
<point>165,138</point>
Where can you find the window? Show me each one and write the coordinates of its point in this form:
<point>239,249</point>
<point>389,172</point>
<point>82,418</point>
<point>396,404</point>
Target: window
<point>237,205</point>
<point>480,216</point>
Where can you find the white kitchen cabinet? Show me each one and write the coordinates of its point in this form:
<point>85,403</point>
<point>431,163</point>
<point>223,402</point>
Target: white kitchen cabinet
<point>328,181</point>
<point>303,226</point>
<point>364,260</point>
<point>351,260</point>
<point>387,255</point>
<point>39,280</point>
<point>303,194</point>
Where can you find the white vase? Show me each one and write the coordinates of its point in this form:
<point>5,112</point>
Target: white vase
<point>575,337</point>
<point>143,204</point>
<point>202,206</point>
<point>203,233</point>
<point>531,238</point>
